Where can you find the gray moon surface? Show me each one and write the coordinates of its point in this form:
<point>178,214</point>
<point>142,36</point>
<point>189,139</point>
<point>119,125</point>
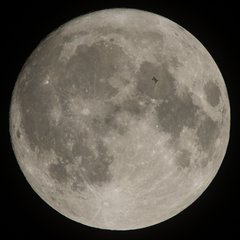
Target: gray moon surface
<point>120,119</point>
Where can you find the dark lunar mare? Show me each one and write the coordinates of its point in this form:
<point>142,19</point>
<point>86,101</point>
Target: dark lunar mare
<point>212,92</point>
<point>84,70</point>
<point>175,112</point>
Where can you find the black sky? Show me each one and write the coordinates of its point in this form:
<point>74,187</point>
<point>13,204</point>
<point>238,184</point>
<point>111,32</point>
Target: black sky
<point>214,214</point>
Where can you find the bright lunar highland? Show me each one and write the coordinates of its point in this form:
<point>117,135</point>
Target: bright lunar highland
<point>120,119</point>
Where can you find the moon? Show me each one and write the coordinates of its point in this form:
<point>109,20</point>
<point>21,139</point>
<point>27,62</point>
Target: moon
<point>120,119</point>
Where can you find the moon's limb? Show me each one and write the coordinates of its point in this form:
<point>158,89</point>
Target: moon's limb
<point>103,143</point>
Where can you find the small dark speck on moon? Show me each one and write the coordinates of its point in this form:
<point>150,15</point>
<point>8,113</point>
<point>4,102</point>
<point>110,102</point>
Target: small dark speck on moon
<point>154,79</point>
<point>18,134</point>
<point>163,78</point>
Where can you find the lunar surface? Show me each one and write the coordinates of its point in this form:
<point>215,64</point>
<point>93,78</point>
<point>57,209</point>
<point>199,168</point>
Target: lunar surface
<point>120,119</point>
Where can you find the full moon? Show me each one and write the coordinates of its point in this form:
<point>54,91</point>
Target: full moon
<point>120,119</point>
